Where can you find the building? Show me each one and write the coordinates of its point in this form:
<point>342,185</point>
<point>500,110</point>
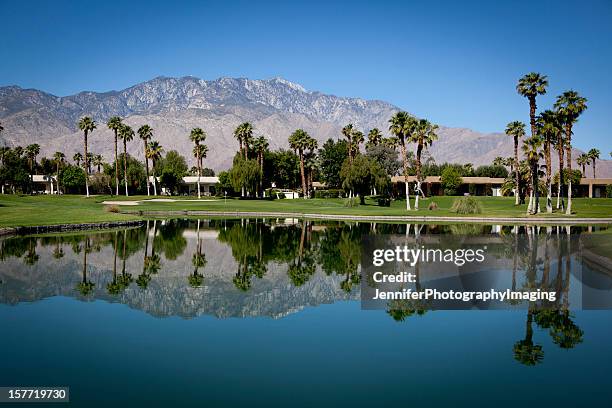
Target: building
<point>190,185</point>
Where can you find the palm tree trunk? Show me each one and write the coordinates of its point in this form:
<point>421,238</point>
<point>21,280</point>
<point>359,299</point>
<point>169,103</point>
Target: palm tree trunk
<point>261,174</point>
<point>116,167</point>
<point>57,182</point>
<point>405,164</point>
<point>125,166</point>
<point>594,175</point>
<point>302,173</point>
<point>568,136</point>
<point>536,189</point>
<point>548,176</point>
<point>199,173</point>
<point>560,202</point>
<point>517,191</point>
<point>147,167</point>
<point>154,180</point>
<point>85,166</point>
<point>418,176</point>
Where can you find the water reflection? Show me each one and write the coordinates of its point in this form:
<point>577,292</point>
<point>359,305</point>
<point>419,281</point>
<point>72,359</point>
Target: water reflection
<point>256,267</point>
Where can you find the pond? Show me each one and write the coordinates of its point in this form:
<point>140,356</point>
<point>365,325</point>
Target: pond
<point>230,312</point>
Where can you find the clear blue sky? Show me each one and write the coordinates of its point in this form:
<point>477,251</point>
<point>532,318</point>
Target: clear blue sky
<point>453,62</point>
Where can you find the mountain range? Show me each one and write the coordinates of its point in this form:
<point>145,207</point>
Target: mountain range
<point>173,106</point>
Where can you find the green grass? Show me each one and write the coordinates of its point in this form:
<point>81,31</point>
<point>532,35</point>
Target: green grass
<point>48,210</point>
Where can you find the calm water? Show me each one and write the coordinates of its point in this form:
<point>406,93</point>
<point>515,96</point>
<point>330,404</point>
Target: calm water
<point>237,312</point>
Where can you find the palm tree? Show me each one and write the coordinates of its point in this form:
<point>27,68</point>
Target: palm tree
<point>126,133</point>
<point>583,161</point>
<point>197,136</point>
<point>85,286</point>
<point>570,106</point>
<point>260,145</point>
<point>59,158</point>
<point>375,137</point>
<point>525,351</point>
<point>98,161</point>
<point>87,125</point>
<point>531,150</point>
<point>31,152</point>
<point>357,139</point>
<point>300,141</point>
<point>401,126</point>
<point>145,132</point>
<point>548,126</point>
<point>244,134</point>
<point>200,152</point>
<point>90,157</point>
<point>424,135</point>
<point>516,129</point>
<point>77,159</point>
<point>593,155</point>
<point>499,161</point>
<point>348,132</point>
<point>530,86</point>
<point>115,124</point>
<point>154,153</point>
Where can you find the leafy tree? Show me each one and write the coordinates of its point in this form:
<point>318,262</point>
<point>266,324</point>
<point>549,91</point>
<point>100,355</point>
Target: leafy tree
<point>244,174</point>
<point>569,105</point>
<point>331,156</point>
<point>172,168</point>
<point>283,168</point>
<point>491,171</point>
<point>87,125</point>
<point>135,175</point>
<point>451,180</point>
<point>360,176</point>
<point>73,179</point>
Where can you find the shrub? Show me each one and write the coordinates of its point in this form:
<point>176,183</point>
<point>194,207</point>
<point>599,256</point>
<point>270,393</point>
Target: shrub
<point>451,180</point>
<point>432,206</point>
<point>466,205</point>
<point>351,202</point>
<point>384,202</point>
<point>111,208</point>
<point>330,193</point>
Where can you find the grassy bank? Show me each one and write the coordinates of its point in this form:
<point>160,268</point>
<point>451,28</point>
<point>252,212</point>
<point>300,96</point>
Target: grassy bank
<point>47,210</point>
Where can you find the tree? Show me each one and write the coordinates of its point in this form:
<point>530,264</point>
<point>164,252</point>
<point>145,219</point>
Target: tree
<point>244,134</point>
<point>424,135</point>
<point>356,141</point>
<point>126,134</point>
<point>87,125</point>
<point>348,131</point>
<point>114,124</point>
<point>172,169</point>
<point>375,137</point>
<point>548,129</point>
<point>244,174</point>
<point>331,157</point>
<point>358,176</point>
<point>525,351</point>
<point>402,126</point>
<point>593,155</point>
<point>531,150</point>
<point>145,132</point>
<point>77,159</point>
<point>98,161</point>
<point>59,159</point>
<point>31,152</point>
<point>583,161</point>
<point>516,129</point>
<point>450,180</point>
<point>386,157</point>
<point>260,145</point>
<point>530,86</point>
<point>300,141</point>
<point>197,136</point>
<point>570,105</point>
<point>154,152</point>
<point>73,179</point>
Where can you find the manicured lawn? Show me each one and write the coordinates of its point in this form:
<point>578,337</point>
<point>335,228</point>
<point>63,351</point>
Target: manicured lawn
<point>45,210</point>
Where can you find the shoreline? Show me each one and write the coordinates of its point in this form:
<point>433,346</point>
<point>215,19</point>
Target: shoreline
<point>41,229</point>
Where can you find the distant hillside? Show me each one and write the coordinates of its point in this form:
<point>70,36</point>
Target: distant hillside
<point>172,106</point>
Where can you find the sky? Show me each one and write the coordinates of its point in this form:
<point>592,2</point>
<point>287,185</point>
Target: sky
<point>453,62</point>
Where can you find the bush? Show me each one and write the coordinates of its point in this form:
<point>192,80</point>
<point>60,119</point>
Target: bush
<point>384,202</point>
<point>351,202</point>
<point>432,206</point>
<point>451,180</point>
<point>466,205</point>
<point>111,208</point>
<point>331,193</point>
<point>609,191</point>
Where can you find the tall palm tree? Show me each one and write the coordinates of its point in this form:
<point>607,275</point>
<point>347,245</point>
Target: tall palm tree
<point>583,161</point>
<point>115,124</point>
<point>516,129</point>
<point>530,86</point>
<point>126,134</point>
<point>401,125</point>
<point>98,161</point>
<point>375,137</point>
<point>90,157</point>
<point>32,151</point>
<point>357,139</point>
<point>548,128</point>
<point>244,134</point>
<point>200,152</point>
<point>593,155</point>
<point>59,158</point>
<point>424,135</point>
<point>525,351</point>
<point>300,141</point>
<point>154,153</point>
<point>87,125</point>
<point>260,145</point>
<point>197,136</point>
<point>570,106</point>
<point>531,150</point>
<point>77,159</point>
<point>348,132</point>
<point>145,132</point>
